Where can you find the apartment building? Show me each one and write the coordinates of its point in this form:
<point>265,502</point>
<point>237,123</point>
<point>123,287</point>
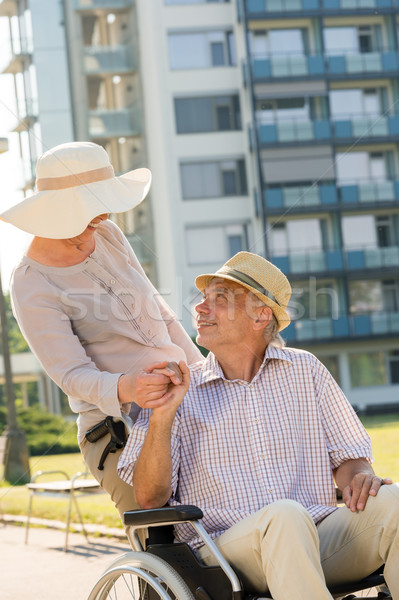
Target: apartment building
<point>269,125</point>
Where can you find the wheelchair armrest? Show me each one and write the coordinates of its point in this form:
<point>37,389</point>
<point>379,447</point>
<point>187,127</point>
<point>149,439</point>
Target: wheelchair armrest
<point>168,514</point>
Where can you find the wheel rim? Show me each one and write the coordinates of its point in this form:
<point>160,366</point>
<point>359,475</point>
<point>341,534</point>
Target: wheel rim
<point>132,583</point>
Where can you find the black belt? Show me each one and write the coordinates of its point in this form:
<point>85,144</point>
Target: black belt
<point>118,437</point>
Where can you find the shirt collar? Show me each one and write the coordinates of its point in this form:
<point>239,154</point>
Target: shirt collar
<point>211,369</point>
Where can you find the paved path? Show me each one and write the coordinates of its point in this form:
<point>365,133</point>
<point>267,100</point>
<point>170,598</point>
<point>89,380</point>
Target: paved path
<point>41,570</point>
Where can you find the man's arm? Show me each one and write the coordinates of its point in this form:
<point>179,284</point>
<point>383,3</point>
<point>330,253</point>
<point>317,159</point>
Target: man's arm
<point>153,470</point>
<point>358,481</point>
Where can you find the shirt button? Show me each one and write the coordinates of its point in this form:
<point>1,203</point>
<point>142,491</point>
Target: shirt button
<point>133,306</point>
<point>256,420</point>
<point>112,281</point>
<point>141,319</point>
<point>263,456</point>
<point>270,491</point>
<point>150,332</point>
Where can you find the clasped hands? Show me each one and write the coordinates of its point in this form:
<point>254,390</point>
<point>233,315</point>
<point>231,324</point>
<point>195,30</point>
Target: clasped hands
<point>162,384</point>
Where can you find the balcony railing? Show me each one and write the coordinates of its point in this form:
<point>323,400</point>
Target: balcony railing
<point>329,194</point>
<point>306,130</point>
<point>28,108</point>
<point>112,5</point>
<point>380,323</point>
<point>259,7</point>
<point>109,59</point>
<point>13,55</point>
<point>114,123</point>
<point>317,65</point>
<point>325,261</point>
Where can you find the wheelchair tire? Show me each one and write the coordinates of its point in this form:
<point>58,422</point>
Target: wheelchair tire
<point>140,576</point>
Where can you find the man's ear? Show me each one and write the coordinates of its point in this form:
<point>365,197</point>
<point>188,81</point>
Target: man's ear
<point>263,317</point>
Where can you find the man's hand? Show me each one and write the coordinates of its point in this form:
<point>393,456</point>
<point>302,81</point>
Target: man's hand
<point>358,481</point>
<point>363,485</point>
<point>148,388</point>
<point>174,396</point>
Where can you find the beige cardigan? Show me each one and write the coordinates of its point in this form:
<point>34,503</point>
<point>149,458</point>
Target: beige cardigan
<point>91,322</point>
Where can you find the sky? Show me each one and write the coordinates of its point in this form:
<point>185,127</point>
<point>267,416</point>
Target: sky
<point>12,241</point>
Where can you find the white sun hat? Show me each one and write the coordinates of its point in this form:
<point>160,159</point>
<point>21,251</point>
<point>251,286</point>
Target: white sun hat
<point>261,277</point>
<point>75,183</point>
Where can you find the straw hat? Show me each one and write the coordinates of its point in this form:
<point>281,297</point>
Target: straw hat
<point>259,276</point>
<point>75,183</point>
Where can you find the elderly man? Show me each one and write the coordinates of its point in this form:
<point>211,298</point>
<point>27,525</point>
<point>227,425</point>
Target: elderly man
<point>257,443</point>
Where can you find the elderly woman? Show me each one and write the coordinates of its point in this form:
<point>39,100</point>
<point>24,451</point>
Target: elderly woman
<point>85,305</point>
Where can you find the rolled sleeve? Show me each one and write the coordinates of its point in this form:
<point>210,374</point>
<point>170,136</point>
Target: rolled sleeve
<point>346,438</point>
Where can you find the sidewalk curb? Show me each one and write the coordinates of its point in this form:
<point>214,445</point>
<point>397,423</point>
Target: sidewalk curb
<point>91,528</point>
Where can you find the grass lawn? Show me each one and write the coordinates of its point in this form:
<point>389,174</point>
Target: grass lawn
<point>95,509</point>
<point>383,430</point>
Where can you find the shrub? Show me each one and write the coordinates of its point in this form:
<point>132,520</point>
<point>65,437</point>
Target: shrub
<point>45,433</point>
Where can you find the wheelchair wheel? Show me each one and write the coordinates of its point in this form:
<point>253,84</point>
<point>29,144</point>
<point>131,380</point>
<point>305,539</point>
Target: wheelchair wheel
<point>140,576</point>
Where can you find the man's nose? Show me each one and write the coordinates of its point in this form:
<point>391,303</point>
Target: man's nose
<point>202,307</point>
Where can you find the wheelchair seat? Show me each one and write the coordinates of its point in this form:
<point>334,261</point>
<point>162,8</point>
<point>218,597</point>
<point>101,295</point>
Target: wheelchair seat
<point>166,570</point>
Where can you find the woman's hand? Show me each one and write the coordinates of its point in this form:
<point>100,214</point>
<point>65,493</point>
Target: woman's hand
<point>149,387</point>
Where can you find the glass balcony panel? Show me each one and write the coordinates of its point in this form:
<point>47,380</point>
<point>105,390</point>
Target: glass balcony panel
<point>111,4</point>
<point>289,66</point>
<point>114,123</point>
<point>299,263</point>
<point>390,256</point>
<point>379,323</point>
<point>99,59</point>
<point>369,126</point>
<point>363,63</point>
<point>373,258</point>
<point>317,262</point>
<point>366,192</point>
<point>394,322</point>
<point>385,191</point>
<point>323,328</point>
<point>304,329</point>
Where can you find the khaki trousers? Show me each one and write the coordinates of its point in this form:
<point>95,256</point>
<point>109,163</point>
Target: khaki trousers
<point>121,493</point>
<point>279,550</point>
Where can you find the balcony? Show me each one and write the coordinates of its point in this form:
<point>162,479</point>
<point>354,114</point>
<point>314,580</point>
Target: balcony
<point>302,130</point>
<point>103,5</point>
<point>338,260</point>
<point>109,59</point>
<point>328,195</point>
<point>311,66</point>
<point>262,8</point>
<point>108,123</point>
<point>8,8</point>
<point>345,326</point>
<point>14,56</point>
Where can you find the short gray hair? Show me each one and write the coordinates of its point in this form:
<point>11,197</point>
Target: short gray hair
<point>271,333</point>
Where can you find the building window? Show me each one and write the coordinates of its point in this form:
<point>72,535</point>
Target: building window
<point>342,40</point>
<point>331,363</point>
<point>393,360</point>
<point>200,115</point>
<point>206,245</point>
<point>170,2</point>
<point>314,299</point>
<point>373,296</point>
<point>201,50</point>
<point>213,179</point>
<point>368,369</point>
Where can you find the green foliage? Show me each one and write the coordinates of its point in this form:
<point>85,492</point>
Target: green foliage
<point>203,351</point>
<point>45,433</point>
<point>16,340</point>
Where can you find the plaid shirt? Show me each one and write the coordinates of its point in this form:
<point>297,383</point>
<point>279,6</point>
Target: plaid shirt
<point>238,446</point>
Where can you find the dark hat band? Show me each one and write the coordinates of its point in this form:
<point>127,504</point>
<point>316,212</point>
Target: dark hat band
<point>243,278</point>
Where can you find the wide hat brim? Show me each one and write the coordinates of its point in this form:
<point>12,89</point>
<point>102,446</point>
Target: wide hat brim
<point>65,213</point>
<point>281,315</point>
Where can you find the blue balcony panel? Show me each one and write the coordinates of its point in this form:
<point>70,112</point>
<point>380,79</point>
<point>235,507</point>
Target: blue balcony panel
<point>316,65</point>
<point>341,327</point>
<point>390,61</point>
<point>334,260</point>
<point>328,194</point>
<point>267,134</point>
<point>282,262</point>
<point>343,129</point>
<point>322,129</point>
<point>262,68</point>
<point>274,198</point>
<point>336,64</point>
<point>361,325</point>
<point>355,259</point>
<point>349,194</point>
<point>393,125</point>
<point>256,6</point>
<point>289,332</point>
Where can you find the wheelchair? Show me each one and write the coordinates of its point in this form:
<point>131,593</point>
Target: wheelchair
<point>163,570</point>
